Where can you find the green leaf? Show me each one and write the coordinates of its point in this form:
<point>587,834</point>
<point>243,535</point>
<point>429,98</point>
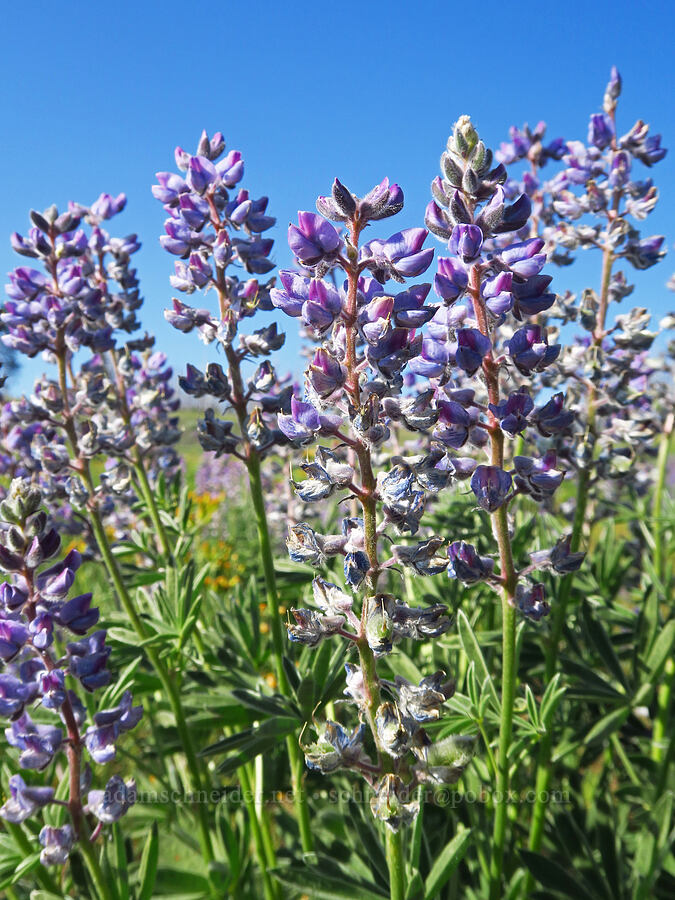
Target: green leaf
<point>446,863</point>
<point>415,889</point>
<point>268,706</point>
<point>472,649</point>
<point>603,644</point>
<point>552,876</point>
<point>319,886</point>
<point>660,649</point>
<point>551,699</point>
<point>291,673</point>
<point>608,724</point>
<point>122,875</point>
<point>47,895</point>
<point>532,710</point>
<point>23,867</point>
<point>269,728</point>
<point>257,745</point>
<point>147,872</point>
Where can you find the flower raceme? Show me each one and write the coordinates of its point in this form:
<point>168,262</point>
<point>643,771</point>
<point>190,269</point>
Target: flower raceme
<point>36,618</point>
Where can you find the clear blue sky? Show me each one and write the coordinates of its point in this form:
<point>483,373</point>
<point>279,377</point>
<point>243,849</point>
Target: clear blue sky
<point>96,96</point>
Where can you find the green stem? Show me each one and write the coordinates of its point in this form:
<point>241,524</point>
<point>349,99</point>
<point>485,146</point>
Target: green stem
<point>295,758</point>
<point>149,497</point>
<point>394,847</point>
<point>661,750</point>
<point>167,680</point>
<point>169,684</point>
<point>543,776</point>
<point>509,576</point>
<point>89,853</point>
<point>367,496</point>
<point>261,837</point>
<point>506,723</point>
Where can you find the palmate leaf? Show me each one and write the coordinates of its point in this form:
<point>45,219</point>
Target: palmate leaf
<point>318,885</point>
<point>261,703</point>
<point>271,728</point>
<point>257,745</point>
<point>13,870</point>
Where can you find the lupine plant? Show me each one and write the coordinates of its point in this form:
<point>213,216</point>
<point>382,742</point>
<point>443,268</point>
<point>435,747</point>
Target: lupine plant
<point>42,667</point>
<point>455,679</point>
<point>598,202</point>
<point>218,230</point>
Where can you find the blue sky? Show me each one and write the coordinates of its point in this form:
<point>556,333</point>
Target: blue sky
<point>96,96</point>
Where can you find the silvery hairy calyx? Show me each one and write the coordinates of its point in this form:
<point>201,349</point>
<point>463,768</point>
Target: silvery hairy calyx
<point>51,654</point>
<point>116,401</point>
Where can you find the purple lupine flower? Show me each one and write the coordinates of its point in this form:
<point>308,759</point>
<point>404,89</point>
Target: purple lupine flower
<point>57,844</point>
<point>313,239</point>
<point>107,206</point>
<point>101,737</point>
<point>466,565</point>
<point>560,558</point>
<point>530,351</point>
<point>52,688</point>
<point>496,292</point>
<point>457,425</point>
<point>55,582</point>
<point>24,801</point>
<point>356,568</point>
<point>13,635</point>
<point>38,743</point>
<point>399,257</point>
<point>451,279</point>
<point>524,259</point>
<point>325,373</point>
<point>302,425</point>
<point>434,359</point>
<point>532,297</point>
<point>491,486</point>
<point>472,348</point>
<point>530,600</point>
<point>552,417</point>
<point>466,242</point>
<point>112,803</point>
<point>41,629</point>
<point>15,694</point>
<point>322,307</point>
<point>87,661</point>
<point>392,352</point>
<point>512,412</point>
<point>601,130</point>
<point>295,293</point>
<point>409,310</point>
<point>645,253</point>
<point>538,477</point>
